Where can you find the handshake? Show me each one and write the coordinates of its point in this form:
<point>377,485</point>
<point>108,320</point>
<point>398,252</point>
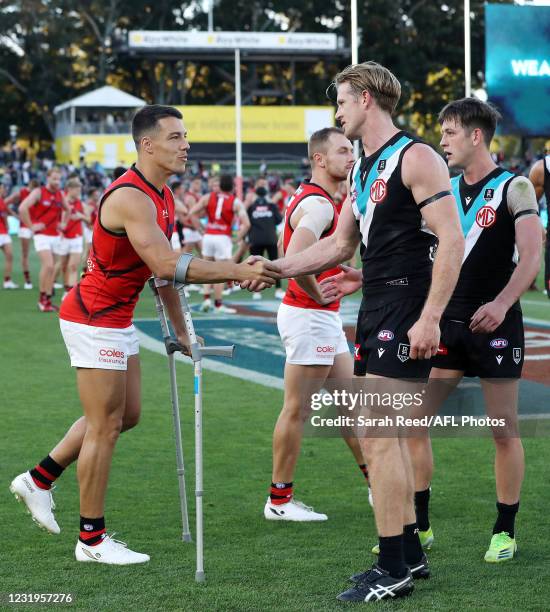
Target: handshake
<point>259,273</point>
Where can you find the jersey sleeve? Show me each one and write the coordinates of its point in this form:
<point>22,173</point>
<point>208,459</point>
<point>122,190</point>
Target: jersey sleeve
<point>521,198</point>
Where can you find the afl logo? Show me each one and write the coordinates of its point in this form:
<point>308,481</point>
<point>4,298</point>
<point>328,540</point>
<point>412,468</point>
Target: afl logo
<point>385,335</point>
<point>486,216</point>
<point>378,191</point>
<point>499,343</point>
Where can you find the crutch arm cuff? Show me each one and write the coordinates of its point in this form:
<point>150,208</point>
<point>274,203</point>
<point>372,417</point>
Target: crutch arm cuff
<point>182,265</point>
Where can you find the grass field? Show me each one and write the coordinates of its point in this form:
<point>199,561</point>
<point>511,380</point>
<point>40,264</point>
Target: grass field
<point>250,564</point>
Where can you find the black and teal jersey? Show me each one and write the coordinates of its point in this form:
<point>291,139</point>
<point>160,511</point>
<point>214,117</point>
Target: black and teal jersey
<point>396,247</point>
<point>489,232</point>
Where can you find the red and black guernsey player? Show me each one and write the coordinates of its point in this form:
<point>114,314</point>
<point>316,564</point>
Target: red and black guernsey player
<point>311,330</point>
<point>45,211</point>
<point>130,243</point>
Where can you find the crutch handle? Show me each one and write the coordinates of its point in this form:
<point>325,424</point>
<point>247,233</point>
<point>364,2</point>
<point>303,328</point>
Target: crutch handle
<point>220,351</point>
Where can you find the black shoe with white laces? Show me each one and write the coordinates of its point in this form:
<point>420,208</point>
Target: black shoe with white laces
<point>377,584</point>
<point>418,570</point>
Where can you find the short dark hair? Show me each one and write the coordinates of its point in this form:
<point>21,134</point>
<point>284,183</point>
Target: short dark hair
<point>472,113</point>
<point>226,183</point>
<point>175,185</point>
<point>318,140</point>
<point>147,118</point>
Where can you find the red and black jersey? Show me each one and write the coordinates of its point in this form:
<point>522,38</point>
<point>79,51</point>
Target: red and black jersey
<point>281,203</point>
<point>48,211</point>
<point>107,294</point>
<point>74,226</point>
<point>196,197</point>
<point>295,295</point>
<point>3,217</point>
<point>219,211</point>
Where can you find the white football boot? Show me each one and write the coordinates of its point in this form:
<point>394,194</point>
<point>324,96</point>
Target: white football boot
<point>109,551</point>
<point>291,511</point>
<point>39,501</point>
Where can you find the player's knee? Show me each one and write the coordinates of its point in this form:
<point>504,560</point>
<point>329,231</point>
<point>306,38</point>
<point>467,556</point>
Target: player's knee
<point>131,419</point>
<point>376,450</point>
<point>293,410</point>
<point>108,427</point>
<point>507,442</point>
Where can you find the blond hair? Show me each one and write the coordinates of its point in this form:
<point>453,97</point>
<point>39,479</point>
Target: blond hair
<point>380,82</point>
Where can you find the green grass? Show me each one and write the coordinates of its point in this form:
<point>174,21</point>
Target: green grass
<point>250,564</point>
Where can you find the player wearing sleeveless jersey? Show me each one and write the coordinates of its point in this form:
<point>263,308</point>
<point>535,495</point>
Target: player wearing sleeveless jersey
<point>399,194</point>
<point>45,211</point>
<point>5,241</point>
<point>24,234</point>
<point>312,334</point>
<point>70,247</point>
<point>539,175</point>
<point>221,208</point>
<point>135,219</point>
<point>192,236</point>
<point>482,327</point>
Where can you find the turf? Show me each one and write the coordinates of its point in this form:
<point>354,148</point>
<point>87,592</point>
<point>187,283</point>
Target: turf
<point>251,564</point>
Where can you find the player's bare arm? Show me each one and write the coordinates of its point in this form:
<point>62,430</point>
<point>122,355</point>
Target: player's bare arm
<point>522,204</point>
<point>427,176</point>
<point>131,211</point>
<point>24,210</point>
<point>244,221</point>
<point>536,176</point>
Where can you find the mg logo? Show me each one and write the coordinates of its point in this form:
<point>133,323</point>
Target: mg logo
<point>378,191</point>
<point>486,216</point>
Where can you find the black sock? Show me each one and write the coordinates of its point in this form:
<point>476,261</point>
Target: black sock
<point>411,544</point>
<point>46,472</point>
<point>365,471</point>
<point>391,556</point>
<point>421,503</point>
<point>506,518</point>
<point>92,530</point>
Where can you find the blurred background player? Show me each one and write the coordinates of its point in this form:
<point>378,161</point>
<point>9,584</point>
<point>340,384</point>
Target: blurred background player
<point>5,241</point>
<point>45,211</point>
<point>221,208</point>
<point>312,332</point>
<point>540,177</point>
<point>264,218</point>
<point>70,246</point>
<point>25,233</point>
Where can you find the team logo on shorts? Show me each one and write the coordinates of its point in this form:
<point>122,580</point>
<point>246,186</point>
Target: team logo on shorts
<point>356,354</point>
<point>499,359</point>
<point>403,352</point>
<point>489,194</point>
<point>381,165</point>
<point>516,355</point>
<point>486,216</point>
<point>498,343</point>
<point>378,191</point>
<point>385,335</point>
<point>381,351</point>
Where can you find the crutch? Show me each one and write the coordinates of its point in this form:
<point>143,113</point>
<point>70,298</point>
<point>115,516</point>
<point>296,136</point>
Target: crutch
<point>197,352</point>
<point>171,347</point>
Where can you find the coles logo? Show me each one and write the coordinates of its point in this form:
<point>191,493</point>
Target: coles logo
<point>385,335</point>
<point>486,216</point>
<point>111,353</point>
<point>378,191</point>
<point>326,349</point>
<point>499,343</point>
<point>356,352</point>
